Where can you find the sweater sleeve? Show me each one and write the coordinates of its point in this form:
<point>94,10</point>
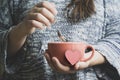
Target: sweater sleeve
<point>109,45</point>
<point>12,13</point>
<point>5,23</point>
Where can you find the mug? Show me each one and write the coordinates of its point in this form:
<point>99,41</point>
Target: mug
<point>69,53</point>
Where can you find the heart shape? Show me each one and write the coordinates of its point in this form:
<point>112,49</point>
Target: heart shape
<point>73,56</point>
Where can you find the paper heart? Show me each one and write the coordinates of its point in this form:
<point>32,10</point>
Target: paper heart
<point>73,56</point>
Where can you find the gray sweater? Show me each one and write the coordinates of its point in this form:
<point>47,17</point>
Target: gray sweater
<point>102,30</point>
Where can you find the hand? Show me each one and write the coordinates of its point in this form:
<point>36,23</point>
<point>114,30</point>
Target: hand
<point>56,65</point>
<point>40,16</point>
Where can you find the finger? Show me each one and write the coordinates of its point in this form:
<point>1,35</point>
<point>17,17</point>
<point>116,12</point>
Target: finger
<point>49,6</point>
<point>35,24</point>
<point>49,60</point>
<point>45,12</point>
<point>39,17</point>
<point>81,65</point>
<point>53,4</point>
<point>60,67</point>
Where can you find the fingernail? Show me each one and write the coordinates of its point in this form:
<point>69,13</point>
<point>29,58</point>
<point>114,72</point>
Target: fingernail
<point>77,66</point>
<point>56,12</point>
<point>54,21</point>
<point>53,60</point>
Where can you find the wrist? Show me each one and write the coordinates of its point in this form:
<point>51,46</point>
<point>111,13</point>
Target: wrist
<point>25,28</point>
<point>18,32</point>
<point>16,39</point>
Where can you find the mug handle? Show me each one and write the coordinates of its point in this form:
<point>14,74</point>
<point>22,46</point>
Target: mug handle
<point>92,54</point>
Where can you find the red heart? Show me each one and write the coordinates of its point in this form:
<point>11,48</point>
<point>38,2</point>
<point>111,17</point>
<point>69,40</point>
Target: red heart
<point>73,56</point>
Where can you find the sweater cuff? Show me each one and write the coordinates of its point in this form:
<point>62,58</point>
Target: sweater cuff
<point>3,50</point>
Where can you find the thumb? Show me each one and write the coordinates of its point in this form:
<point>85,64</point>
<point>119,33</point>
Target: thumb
<point>81,65</point>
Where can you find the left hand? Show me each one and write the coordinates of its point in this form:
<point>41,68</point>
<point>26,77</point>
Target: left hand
<point>56,65</point>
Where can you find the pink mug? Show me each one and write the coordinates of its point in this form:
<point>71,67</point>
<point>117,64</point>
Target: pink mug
<point>69,53</point>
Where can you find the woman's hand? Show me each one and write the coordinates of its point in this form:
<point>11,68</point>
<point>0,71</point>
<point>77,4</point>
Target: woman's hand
<point>56,65</point>
<point>40,16</point>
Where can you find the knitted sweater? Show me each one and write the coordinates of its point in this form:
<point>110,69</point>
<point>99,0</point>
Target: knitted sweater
<point>102,30</point>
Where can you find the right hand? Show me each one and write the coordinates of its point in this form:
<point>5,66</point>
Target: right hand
<point>40,16</point>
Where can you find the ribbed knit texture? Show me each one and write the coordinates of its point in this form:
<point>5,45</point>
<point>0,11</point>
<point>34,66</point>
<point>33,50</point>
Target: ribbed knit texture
<point>102,30</point>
